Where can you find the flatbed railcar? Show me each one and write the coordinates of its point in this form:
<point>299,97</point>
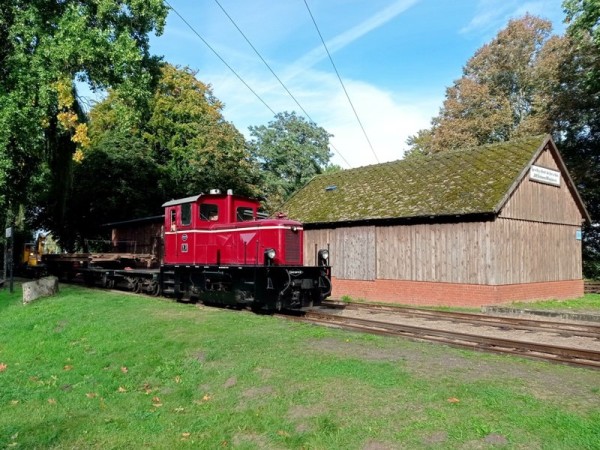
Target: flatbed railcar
<point>216,249</point>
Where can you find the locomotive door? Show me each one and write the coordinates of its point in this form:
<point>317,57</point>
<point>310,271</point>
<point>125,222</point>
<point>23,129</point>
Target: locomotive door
<point>184,244</point>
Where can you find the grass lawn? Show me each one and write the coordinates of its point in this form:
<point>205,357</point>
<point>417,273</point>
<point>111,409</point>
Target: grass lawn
<point>589,302</point>
<point>94,369</point>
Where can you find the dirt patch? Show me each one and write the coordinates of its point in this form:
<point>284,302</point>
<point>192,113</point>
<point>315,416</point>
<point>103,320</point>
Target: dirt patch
<point>258,392</point>
<point>303,427</point>
<point>199,356</point>
<point>377,445</point>
<point>495,439</point>
<point>264,373</point>
<point>436,362</point>
<point>357,350</point>
<point>252,439</point>
<point>438,437</point>
<point>254,397</point>
<point>304,412</point>
<point>230,382</point>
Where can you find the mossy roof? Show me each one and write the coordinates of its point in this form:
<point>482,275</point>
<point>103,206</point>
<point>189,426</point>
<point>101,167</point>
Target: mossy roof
<point>451,183</point>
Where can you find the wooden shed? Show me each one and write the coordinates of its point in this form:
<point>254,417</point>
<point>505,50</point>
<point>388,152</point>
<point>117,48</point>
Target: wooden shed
<point>484,225</point>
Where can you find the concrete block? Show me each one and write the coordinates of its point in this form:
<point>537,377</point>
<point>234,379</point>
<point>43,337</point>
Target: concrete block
<point>44,287</point>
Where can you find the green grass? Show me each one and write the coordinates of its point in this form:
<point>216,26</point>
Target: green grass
<point>93,369</point>
<point>589,302</point>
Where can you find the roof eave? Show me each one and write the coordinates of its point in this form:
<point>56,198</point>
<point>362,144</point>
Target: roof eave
<point>387,221</point>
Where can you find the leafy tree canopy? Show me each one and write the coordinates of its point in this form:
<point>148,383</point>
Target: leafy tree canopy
<point>290,151</point>
<point>196,147</point>
<point>501,93</point>
<point>178,145</point>
<point>45,46</point>
<point>527,81</point>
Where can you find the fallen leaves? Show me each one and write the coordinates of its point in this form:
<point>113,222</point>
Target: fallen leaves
<point>124,369</point>
<point>156,402</point>
<point>204,399</point>
<point>121,389</point>
<point>453,400</point>
<point>68,367</point>
<point>52,401</point>
<point>3,367</point>
<point>91,395</point>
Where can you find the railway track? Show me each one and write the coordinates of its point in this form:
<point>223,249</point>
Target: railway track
<point>565,329</point>
<point>575,356</point>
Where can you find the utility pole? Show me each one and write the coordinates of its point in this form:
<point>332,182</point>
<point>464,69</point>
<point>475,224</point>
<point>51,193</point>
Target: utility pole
<point>5,260</point>
<point>8,256</point>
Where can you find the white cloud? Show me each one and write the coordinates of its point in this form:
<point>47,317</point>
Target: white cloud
<point>492,15</point>
<point>388,119</point>
<point>347,37</point>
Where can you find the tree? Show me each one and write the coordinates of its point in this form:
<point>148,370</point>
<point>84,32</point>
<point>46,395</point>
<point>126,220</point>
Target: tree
<point>45,46</point>
<point>192,142</point>
<point>115,181</point>
<point>290,151</point>
<point>526,81</point>
<point>177,145</point>
<point>500,94</point>
<point>577,97</point>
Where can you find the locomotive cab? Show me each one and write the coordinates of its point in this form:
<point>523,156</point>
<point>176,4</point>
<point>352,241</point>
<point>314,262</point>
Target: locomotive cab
<point>217,249</point>
<point>225,229</point>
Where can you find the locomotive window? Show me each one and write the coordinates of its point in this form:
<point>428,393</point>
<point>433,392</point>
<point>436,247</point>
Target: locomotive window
<point>208,211</point>
<point>186,214</point>
<point>173,216</point>
<point>244,214</point>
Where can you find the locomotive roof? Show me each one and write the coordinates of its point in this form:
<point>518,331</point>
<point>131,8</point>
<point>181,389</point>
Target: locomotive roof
<point>474,181</point>
<point>179,201</point>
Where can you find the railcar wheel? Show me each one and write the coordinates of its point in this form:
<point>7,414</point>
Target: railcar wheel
<point>154,288</point>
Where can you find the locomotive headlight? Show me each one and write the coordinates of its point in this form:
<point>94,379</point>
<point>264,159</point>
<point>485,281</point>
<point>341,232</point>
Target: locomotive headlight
<point>323,257</point>
<point>269,256</point>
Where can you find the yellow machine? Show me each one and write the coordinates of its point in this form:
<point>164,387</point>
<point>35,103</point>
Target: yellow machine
<point>32,252</point>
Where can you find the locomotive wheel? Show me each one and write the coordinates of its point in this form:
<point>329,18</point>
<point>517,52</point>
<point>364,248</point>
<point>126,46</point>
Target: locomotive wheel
<point>154,288</point>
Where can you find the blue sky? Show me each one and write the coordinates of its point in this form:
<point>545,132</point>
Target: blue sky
<point>396,57</point>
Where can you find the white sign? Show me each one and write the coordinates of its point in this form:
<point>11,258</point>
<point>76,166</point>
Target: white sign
<point>543,175</point>
<point>8,232</point>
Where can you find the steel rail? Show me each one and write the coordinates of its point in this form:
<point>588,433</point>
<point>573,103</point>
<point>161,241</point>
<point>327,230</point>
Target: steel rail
<point>569,329</point>
<point>566,355</point>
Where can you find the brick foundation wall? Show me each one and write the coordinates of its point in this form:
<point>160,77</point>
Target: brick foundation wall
<point>453,294</point>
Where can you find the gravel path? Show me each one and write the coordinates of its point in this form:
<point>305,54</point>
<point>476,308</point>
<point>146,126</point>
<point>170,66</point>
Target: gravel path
<point>543,337</point>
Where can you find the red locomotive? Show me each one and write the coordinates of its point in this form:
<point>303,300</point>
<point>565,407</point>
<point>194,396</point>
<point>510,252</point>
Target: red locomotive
<point>218,249</point>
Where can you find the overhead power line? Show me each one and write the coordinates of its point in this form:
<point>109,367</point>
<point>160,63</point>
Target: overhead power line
<point>341,82</point>
<point>275,75</point>
<point>219,56</point>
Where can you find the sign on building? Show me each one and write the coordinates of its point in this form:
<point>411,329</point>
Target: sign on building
<point>543,175</point>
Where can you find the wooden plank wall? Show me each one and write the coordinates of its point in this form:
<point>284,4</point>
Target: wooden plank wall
<point>528,252</point>
<point>451,253</point>
<point>352,251</point>
<point>541,202</point>
<point>504,251</point>
<point>139,238</point>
